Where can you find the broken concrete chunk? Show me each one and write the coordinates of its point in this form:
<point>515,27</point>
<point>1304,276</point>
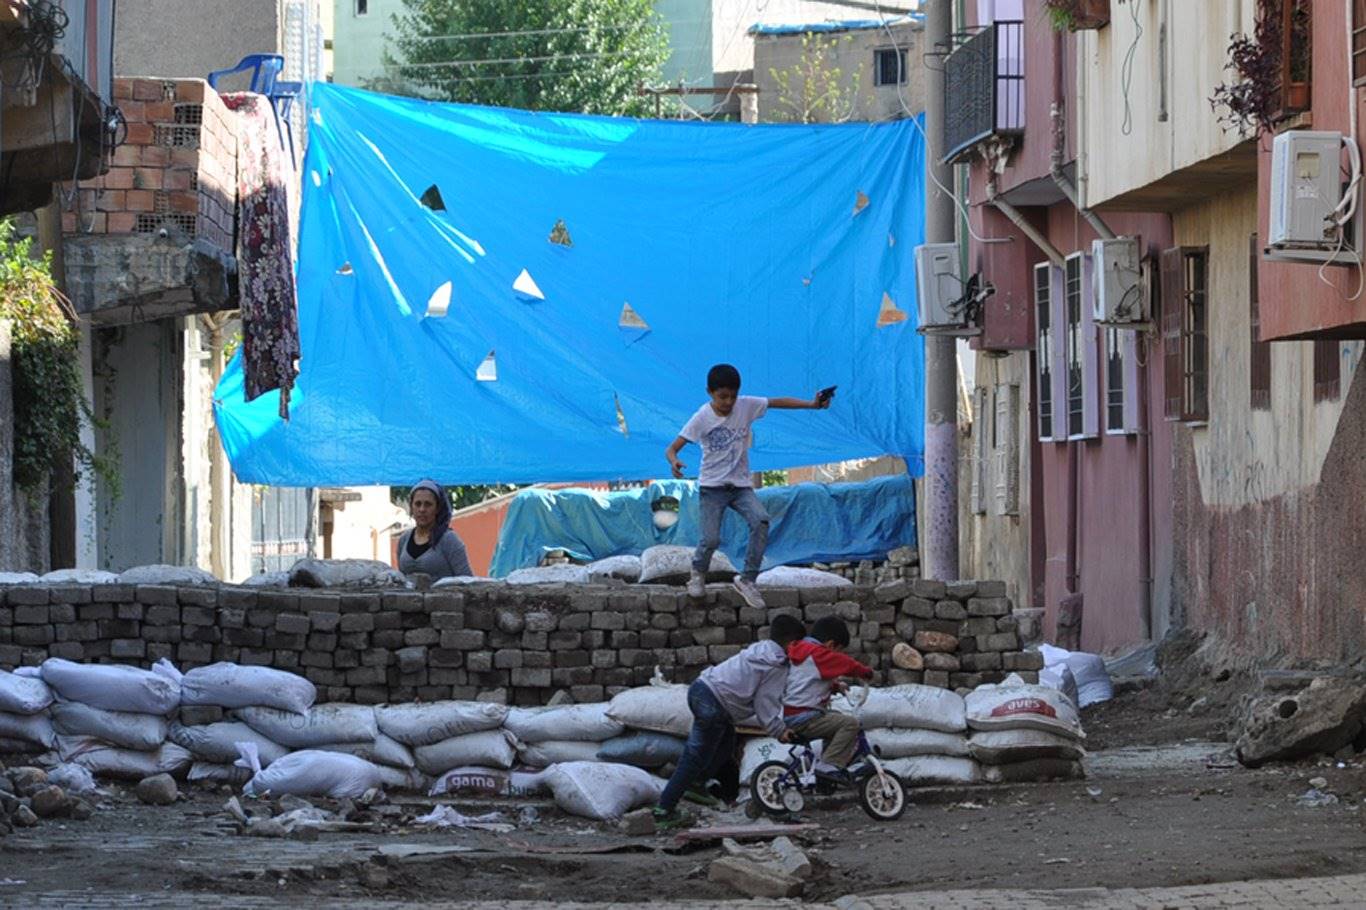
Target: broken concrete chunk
<point>1321,719</point>
<point>753,879</point>
<point>640,823</point>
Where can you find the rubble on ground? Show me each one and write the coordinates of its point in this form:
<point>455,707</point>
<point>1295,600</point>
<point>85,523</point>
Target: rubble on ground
<point>1325,717</point>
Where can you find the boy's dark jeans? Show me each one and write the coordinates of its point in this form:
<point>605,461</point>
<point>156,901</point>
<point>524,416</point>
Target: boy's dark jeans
<point>711,743</point>
<point>713,505</point>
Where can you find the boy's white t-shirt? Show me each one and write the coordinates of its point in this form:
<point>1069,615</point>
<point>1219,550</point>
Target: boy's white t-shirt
<point>725,441</point>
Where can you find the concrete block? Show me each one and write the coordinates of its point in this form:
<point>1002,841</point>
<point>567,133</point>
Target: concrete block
<point>347,658</point>
<point>31,614</point>
<point>444,602</point>
<point>977,625</point>
<point>197,653</point>
<point>415,637</point>
<point>929,589</point>
<point>892,591</point>
<point>284,641</point>
<point>238,598</point>
<point>198,596</point>
<point>157,615</point>
<point>950,609</point>
<point>507,659</point>
<point>988,606</point>
<point>945,626</point>
<point>905,629</point>
<point>898,677</point>
<point>316,659</point>
<point>849,610</point>
<point>985,660</point>
<point>447,620</point>
<point>991,589</point>
<point>71,650</point>
<point>295,623</point>
<point>940,661</point>
<point>392,619</point>
<point>357,622</point>
<point>34,635</point>
<point>575,622</point>
<point>403,601</point>
<point>198,616</point>
<point>937,678</point>
<point>1021,660</point>
<point>960,590</point>
<point>918,608</point>
<point>664,602</point>
<point>542,621</point>
<point>462,639</point>
<point>114,593</point>
<point>934,642</point>
<point>154,594</point>
<point>810,596</point>
<point>412,659</point>
<point>999,641</point>
<point>376,657</point>
<point>718,653</point>
<point>753,879</point>
<point>966,680</point>
<point>102,611</point>
<point>537,678</point>
<point>881,613</point>
<point>360,603</point>
<point>535,641</point>
<point>477,661</point>
<point>386,638</point>
<point>608,621</point>
<point>165,634</point>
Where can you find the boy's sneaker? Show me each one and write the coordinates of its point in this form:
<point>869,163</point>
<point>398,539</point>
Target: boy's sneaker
<point>842,777</point>
<point>670,819</point>
<point>750,592</point>
<point>697,585</point>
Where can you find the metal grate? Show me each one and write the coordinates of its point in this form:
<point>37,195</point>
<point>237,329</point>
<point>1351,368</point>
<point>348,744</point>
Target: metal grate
<point>189,114</point>
<point>153,223</point>
<point>984,89</point>
<point>177,136</point>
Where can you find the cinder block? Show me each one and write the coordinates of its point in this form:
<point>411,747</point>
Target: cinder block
<point>950,609</point>
<point>357,622</point>
<point>988,606</point>
<point>293,623</point>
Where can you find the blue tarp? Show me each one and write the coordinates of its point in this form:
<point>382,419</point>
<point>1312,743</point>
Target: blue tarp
<point>730,242</point>
<point>831,25</point>
<point>809,522</point>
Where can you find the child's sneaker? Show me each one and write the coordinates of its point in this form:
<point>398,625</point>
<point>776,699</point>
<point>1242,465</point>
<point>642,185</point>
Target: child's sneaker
<point>750,592</point>
<point>697,585</point>
<point>670,819</point>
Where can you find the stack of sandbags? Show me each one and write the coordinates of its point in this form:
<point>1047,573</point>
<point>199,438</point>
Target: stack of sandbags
<point>340,729</point>
<point>113,720</point>
<point>446,735</point>
<point>546,736</point>
<point>656,721</point>
<point>207,692</point>
<point>1023,732</point>
<point>24,724</point>
<point>920,730</point>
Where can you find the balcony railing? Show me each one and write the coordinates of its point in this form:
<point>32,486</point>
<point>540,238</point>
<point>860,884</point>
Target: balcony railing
<point>984,89</point>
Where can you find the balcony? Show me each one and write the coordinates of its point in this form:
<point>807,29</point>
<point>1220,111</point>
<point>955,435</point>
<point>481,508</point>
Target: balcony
<point>984,90</point>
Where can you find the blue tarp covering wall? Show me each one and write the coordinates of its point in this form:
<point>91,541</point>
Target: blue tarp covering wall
<point>808,523</point>
<point>773,247</point>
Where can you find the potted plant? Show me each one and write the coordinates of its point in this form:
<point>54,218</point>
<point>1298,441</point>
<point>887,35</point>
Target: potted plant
<point>1078,15</point>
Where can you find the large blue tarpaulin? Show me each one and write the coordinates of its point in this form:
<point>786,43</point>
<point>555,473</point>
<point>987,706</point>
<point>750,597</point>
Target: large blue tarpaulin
<point>808,523</point>
<point>490,295</point>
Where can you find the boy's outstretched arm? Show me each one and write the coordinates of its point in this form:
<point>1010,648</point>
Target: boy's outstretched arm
<point>671,453</point>
<point>799,404</point>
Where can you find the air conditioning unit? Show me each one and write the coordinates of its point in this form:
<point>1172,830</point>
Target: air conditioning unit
<point>939,287</point>
<point>1306,186</point>
<point>1118,294</point>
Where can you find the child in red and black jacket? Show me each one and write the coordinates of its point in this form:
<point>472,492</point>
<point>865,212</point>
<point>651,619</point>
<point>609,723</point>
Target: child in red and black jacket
<point>818,663</point>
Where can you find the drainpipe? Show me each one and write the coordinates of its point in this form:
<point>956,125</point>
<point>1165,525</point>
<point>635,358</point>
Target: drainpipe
<point>1145,499</point>
<point>1059,154</point>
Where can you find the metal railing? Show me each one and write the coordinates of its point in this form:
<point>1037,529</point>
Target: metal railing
<point>984,89</point>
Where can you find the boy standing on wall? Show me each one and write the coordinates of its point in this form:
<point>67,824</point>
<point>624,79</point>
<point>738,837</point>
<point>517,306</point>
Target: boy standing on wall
<point>722,428</point>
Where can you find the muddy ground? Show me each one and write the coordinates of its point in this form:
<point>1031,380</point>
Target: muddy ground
<point>1158,808</point>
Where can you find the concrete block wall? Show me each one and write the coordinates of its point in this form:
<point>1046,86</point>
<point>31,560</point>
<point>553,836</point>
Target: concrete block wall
<point>177,169</point>
<point>520,644</point>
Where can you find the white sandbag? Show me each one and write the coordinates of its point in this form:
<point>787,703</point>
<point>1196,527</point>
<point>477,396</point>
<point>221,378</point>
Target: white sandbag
<point>331,723</point>
<point>105,760</point>
<point>426,724</point>
<point>345,573</point>
<point>310,772</point>
<point>456,580</point>
<point>29,728</point>
<point>71,777</point>
<point>1002,747</point>
<point>408,779</point>
<point>672,565</point>
<point>229,685</point>
<point>581,723</point>
<point>141,732</point>
<point>797,577</point>
<point>489,782</point>
<point>166,575</point>
<point>908,707</point>
<point>906,743</point>
<point>1059,676</point>
<point>627,568</point>
<point>23,694</point>
<point>265,580</point>
<point>659,706</point>
<point>551,752</point>
<point>218,773</point>
<point>1034,770</point>
<point>383,750</point>
<point>1016,705</point>
<point>549,575</point>
<point>79,577</point>
<point>760,749</point>
<point>643,748</point>
<point>112,687</point>
<point>1091,678</point>
<point>218,742</point>
<point>929,770</point>
<point>487,748</point>
<point>18,578</point>
<point>12,746</point>
<point>600,790</point>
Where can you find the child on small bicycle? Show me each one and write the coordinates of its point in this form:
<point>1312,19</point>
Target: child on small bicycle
<point>818,662</point>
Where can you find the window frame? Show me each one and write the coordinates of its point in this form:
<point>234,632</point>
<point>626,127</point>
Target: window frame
<point>1080,355</point>
<point>899,54</point>
<point>1185,333</point>
<point>1045,350</point>
<point>360,8</point>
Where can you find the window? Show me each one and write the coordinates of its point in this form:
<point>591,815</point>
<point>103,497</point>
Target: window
<point>1184,334</point>
<point>1327,370</point>
<point>1260,368</point>
<point>1075,371</point>
<point>1043,345</point>
<point>889,66</point>
<point>1114,381</point>
<point>1080,354</point>
<point>362,7</point>
<point>1295,31</point>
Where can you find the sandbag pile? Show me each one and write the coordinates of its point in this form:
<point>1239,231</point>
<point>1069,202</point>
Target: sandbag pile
<point>24,724</point>
<point>921,731</point>
<point>1024,732</point>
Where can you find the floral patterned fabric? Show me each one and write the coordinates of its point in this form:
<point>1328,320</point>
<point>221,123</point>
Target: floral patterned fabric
<point>265,257</point>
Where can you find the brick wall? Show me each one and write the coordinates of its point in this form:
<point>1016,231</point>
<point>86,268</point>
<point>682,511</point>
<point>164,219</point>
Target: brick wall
<point>524,642</point>
<point>177,170</point>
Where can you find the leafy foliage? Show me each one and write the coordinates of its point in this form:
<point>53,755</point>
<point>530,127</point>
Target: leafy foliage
<point>588,56</point>
<point>49,405</point>
<point>1253,103</point>
<point>814,89</point>
<point>775,478</point>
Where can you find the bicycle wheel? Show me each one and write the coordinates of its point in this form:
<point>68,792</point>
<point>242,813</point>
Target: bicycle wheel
<point>767,786</point>
<point>882,796</point>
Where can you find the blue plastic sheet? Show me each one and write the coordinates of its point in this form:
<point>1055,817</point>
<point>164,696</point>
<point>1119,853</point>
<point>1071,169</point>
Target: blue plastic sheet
<point>736,243</point>
<point>808,523</point>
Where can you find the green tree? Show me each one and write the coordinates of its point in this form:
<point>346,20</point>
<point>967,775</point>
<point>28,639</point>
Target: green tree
<point>588,56</point>
<point>816,89</point>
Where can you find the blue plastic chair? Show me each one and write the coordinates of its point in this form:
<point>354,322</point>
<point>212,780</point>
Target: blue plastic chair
<point>265,70</point>
<point>282,99</point>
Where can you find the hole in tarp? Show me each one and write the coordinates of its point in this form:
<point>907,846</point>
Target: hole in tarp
<point>527,287</point>
<point>440,300</point>
<point>318,116</point>
<point>860,201</point>
<point>431,198</point>
<point>317,178</point>
<point>891,240</point>
<point>807,281</point>
<point>488,370</point>
<point>630,319</point>
<point>1287,708</point>
<point>889,313</point>
<point>621,417</point>
<point>559,234</point>
<point>345,269</point>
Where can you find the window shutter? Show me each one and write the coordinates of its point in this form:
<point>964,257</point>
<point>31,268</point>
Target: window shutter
<point>1046,338</point>
<point>1057,291</point>
<point>1007,454</point>
<point>1090,352</point>
<point>1173,281</point>
<point>1195,332</point>
<point>1132,377</point>
<point>981,433</point>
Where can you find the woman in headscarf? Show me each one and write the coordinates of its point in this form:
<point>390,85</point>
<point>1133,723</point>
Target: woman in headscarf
<point>431,547</point>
